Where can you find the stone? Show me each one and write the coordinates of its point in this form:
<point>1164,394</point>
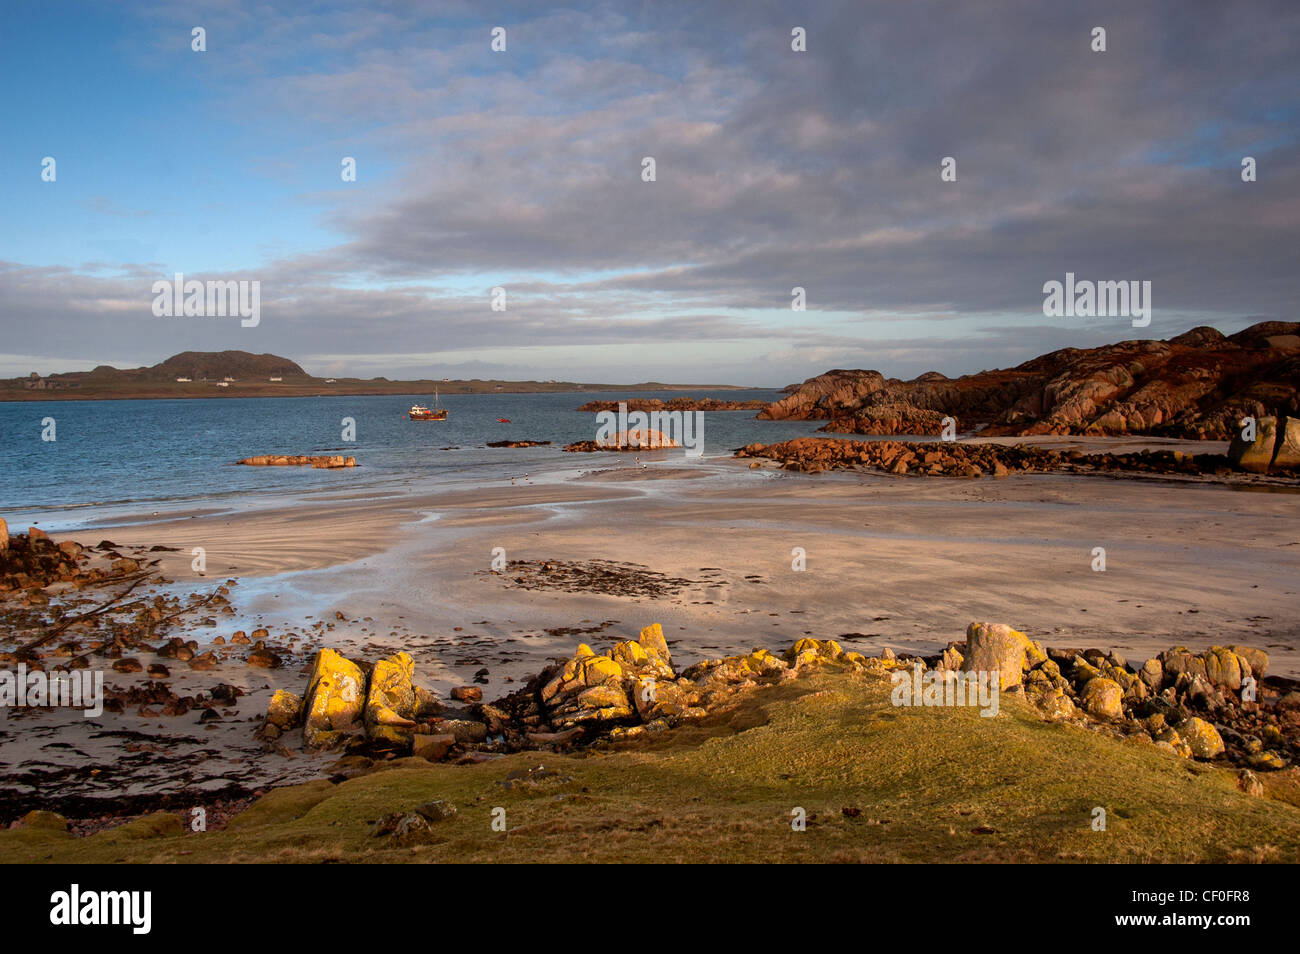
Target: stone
<point>1249,783</point>
<point>1152,673</point>
<point>128,665</point>
<point>203,661</point>
<point>405,828</point>
<point>653,642</point>
<point>335,699</point>
<point>1257,658</point>
<point>1202,738</point>
<point>427,703</point>
<point>1055,704</point>
<point>996,647</point>
<point>263,658</point>
<point>467,694</point>
<point>284,711</point>
<point>464,731</point>
<point>437,810</point>
<point>1223,667</point>
<point>390,700</point>
<point>432,747</point>
<point>1103,698</point>
<point>4,535</point>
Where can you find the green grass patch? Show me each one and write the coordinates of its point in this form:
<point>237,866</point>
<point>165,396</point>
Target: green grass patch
<point>920,784</point>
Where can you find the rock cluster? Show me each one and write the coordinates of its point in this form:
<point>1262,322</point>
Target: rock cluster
<point>356,705</point>
<point>321,462</point>
<point>1198,705</point>
<point>633,690</point>
<point>953,459</point>
<point>1198,385</point>
<point>1195,704</point>
<point>32,560</point>
<point>629,440</point>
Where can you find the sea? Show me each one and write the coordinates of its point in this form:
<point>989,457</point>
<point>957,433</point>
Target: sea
<point>66,463</point>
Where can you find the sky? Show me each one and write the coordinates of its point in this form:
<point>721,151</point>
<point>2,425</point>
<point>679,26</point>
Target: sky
<point>522,169</point>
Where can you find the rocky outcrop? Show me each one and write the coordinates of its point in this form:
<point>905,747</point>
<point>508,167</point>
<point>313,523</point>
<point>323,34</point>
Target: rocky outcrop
<point>954,459</point>
<point>649,405</point>
<point>4,535</point>
<point>629,440</point>
<point>518,443</point>
<point>321,462</point>
<point>1198,385</point>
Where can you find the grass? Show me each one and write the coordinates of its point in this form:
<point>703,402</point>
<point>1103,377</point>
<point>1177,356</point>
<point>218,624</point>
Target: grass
<point>930,785</point>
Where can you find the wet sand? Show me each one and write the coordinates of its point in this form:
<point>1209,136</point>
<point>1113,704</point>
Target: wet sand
<point>900,562</point>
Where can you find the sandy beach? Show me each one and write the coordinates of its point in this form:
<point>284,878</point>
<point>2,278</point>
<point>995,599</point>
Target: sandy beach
<point>904,563</point>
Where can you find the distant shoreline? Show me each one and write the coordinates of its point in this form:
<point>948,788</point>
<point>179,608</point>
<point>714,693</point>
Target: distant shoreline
<point>201,390</point>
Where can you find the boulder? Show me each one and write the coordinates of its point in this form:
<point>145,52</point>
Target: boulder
<point>653,642</point>
<point>462,730</point>
<point>1223,668</point>
<point>335,700</point>
<point>1103,698</point>
<point>1055,704</point>
<point>1287,452</point>
<point>4,534</point>
<point>467,694</point>
<point>996,647</point>
<point>1257,455</point>
<point>432,747</point>
<point>284,711</point>
<point>1202,738</point>
<point>390,700</point>
<point>1257,658</point>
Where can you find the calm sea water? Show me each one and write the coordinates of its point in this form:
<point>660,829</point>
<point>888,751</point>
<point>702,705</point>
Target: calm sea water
<point>134,456</point>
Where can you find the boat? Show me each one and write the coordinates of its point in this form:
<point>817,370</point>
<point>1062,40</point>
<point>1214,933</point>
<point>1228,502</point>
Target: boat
<point>419,412</point>
<point>503,420</point>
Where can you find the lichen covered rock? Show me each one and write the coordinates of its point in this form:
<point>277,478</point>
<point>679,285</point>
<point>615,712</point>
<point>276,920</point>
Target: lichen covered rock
<point>390,700</point>
<point>996,647</point>
<point>335,700</point>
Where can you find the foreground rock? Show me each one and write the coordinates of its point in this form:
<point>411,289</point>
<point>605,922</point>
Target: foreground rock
<point>326,462</point>
<point>1219,704</point>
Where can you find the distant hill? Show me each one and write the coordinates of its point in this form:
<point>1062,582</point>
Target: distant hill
<point>201,366</point>
<point>221,364</point>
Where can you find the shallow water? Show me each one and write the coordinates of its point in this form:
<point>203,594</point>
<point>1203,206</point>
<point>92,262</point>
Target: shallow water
<point>129,457</point>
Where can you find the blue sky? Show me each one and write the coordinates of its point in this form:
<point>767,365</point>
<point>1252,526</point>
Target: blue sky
<point>522,169</point>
